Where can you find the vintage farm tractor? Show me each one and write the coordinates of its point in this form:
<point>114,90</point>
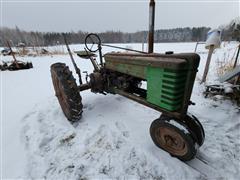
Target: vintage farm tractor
<point>169,80</point>
<point>169,77</point>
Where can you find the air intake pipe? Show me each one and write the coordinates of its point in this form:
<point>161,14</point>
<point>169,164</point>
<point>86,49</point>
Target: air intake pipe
<point>151,26</point>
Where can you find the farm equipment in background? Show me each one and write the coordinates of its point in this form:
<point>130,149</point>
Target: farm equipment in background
<point>169,80</point>
<point>15,64</point>
<point>3,66</point>
<point>6,52</point>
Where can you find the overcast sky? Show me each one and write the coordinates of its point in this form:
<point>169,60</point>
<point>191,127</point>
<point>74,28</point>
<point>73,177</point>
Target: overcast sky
<point>123,15</point>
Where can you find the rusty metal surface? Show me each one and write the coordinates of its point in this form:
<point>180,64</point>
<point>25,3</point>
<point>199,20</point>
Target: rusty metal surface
<point>151,26</point>
<point>146,60</point>
<point>144,102</point>
<point>188,90</point>
<point>130,69</point>
<point>77,70</point>
<point>60,93</point>
<point>84,87</point>
<point>94,62</point>
<point>192,58</point>
<point>171,141</point>
<point>191,75</point>
<point>84,54</point>
<point>96,82</point>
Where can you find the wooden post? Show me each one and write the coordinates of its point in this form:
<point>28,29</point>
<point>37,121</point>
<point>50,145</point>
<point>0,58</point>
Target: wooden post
<point>196,47</point>
<point>235,63</point>
<point>211,48</point>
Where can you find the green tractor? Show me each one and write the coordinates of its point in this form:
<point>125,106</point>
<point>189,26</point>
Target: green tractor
<point>169,80</point>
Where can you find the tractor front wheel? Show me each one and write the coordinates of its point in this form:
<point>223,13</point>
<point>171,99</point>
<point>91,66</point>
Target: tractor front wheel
<point>66,91</point>
<point>174,138</point>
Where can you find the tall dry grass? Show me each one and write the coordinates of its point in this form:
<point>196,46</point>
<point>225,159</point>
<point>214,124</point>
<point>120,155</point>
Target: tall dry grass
<point>226,64</point>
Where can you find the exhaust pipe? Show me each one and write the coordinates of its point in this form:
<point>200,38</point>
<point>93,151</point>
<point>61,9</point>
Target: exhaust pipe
<point>151,26</point>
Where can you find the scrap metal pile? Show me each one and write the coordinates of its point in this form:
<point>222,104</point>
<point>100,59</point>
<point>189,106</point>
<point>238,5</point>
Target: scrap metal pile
<point>15,64</point>
<point>229,84</point>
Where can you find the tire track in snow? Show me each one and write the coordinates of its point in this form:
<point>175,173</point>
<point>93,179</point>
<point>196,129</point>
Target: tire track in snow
<point>202,166</point>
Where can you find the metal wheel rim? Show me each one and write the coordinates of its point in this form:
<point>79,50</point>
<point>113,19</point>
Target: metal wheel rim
<point>171,141</point>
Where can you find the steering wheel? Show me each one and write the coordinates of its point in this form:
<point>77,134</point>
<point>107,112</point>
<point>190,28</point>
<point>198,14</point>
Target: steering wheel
<point>92,42</point>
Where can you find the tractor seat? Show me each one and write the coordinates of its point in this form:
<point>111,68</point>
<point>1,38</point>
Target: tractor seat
<point>85,54</point>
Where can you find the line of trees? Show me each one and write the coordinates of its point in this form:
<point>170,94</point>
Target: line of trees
<point>16,35</point>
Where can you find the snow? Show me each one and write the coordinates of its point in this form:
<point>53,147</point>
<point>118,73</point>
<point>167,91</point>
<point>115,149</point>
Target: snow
<point>179,126</point>
<point>112,139</point>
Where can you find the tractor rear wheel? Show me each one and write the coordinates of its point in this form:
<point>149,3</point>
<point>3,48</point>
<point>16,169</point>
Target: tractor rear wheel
<point>173,138</point>
<point>66,91</point>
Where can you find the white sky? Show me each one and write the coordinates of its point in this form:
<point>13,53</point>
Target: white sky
<point>127,16</point>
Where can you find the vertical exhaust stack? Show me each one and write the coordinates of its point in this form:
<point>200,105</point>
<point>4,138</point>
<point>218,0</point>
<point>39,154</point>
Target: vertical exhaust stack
<point>151,26</point>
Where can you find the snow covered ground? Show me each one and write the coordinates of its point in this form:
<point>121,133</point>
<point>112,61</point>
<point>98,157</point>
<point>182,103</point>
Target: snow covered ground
<point>112,139</point>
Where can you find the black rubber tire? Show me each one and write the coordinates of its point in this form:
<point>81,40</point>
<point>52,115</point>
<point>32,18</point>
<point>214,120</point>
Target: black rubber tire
<point>191,148</point>
<point>195,127</point>
<point>66,90</point>
<point>192,124</point>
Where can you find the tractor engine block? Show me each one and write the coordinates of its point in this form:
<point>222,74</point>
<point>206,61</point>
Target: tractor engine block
<point>122,81</point>
<point>96,82</point>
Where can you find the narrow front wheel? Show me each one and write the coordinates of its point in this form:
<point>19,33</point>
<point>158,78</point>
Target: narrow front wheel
<point>174,138</point>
